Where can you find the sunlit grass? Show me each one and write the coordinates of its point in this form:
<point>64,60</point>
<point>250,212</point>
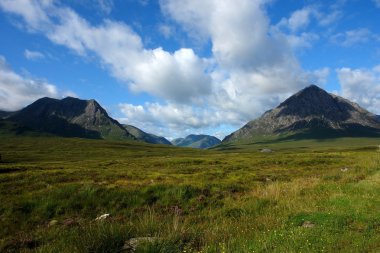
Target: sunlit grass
<point>236,200</point>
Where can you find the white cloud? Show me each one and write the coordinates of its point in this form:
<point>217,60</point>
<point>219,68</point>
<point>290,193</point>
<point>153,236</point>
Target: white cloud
<point>377,3</point>
<point>292,28</point>
<point>33,11</point>
<point>252,67</point>
<point>361,86</point>
<point>254,64</point>
<point>178,76</point>
<point>17,91</point>
<point>33,55</point>
<point>326,19</point>
<point>353,37</point>
<point>174,120</point>
<point>299,19</point>
<point>304,40</point>
<point>238,31</point>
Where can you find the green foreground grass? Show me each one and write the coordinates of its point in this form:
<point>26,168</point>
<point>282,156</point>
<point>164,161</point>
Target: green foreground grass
<point>236,199</point>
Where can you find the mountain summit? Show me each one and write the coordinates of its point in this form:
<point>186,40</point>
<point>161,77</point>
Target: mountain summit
<point>315,111</point>
<point>70,117</point>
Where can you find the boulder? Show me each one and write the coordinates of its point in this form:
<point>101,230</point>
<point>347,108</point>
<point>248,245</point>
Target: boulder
<point>132,244</point>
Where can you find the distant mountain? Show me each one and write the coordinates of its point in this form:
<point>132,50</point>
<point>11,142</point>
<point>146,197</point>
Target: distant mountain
<point>312,112</point>
<point>70,117</point>
<point>146,137</point>
<point>177,142</point>
<point>197,141</point>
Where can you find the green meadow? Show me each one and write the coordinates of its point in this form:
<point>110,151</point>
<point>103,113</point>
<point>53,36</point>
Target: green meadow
<point>305,196</point>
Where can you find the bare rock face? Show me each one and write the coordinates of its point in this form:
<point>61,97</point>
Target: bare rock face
<point>311,109</point>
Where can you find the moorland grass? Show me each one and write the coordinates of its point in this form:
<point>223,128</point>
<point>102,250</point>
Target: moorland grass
<point>235,199</point>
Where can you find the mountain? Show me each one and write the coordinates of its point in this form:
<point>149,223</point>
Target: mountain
<point>177,142</point>
<point>146,137</point>
<point>197,141</point>
<point>311,113</point>
<point>70,117</point>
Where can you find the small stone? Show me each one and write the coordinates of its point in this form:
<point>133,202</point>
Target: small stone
<point>308,224</point>
<point>53,223</point>
<point>103,217</point>
<point>132,244</point>
<point>344,169</point>
<point>266,150</point>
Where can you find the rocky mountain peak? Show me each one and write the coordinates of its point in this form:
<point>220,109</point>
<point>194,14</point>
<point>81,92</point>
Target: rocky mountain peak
<point>70,117</point>
<point>311,109</point>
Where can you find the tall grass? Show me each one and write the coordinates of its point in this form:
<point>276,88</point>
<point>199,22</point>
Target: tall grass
<point>52,189</point>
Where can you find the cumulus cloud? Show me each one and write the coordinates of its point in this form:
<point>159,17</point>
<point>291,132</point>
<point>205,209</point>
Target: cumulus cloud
<point>178,76</point>
<point>238,32</point>
<point>252,67</point>
<point>33,55</point>
<point>176,120</point>
<point>17,91</point>
<point>255,65</point>
<point>361,86</point>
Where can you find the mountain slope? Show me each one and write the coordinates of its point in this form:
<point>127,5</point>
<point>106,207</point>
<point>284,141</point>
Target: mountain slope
<point>70,117</point>
<point>178,141</point>
<point>315,111</point>
<point>197,141</point>
<point>146,137</point>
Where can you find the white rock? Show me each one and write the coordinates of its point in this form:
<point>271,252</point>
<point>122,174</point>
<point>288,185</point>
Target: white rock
<point>103,216</point>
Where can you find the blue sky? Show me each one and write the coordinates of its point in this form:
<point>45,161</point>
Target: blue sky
<point>174,67</point>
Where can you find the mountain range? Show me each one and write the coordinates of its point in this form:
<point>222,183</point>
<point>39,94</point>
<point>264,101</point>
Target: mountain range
<point>197,141</point>
<point>311,113</point>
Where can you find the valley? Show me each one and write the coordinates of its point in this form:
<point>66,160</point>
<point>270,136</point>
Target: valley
<point>305,196</point>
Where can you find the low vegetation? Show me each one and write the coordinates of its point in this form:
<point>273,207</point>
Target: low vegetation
<point>305,196</point>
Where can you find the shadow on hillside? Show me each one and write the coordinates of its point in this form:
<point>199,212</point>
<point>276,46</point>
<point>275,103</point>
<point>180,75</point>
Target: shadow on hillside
<point>352,130</point>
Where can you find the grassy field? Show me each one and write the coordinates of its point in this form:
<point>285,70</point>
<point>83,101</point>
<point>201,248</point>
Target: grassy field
<point>298,198</point>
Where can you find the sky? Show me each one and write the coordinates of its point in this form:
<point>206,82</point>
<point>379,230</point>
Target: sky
<point>179,67</point>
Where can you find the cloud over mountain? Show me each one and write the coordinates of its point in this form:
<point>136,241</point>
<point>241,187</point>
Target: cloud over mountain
<point>17,91</point>
<point>361,86</point>
<point>252,64</point>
